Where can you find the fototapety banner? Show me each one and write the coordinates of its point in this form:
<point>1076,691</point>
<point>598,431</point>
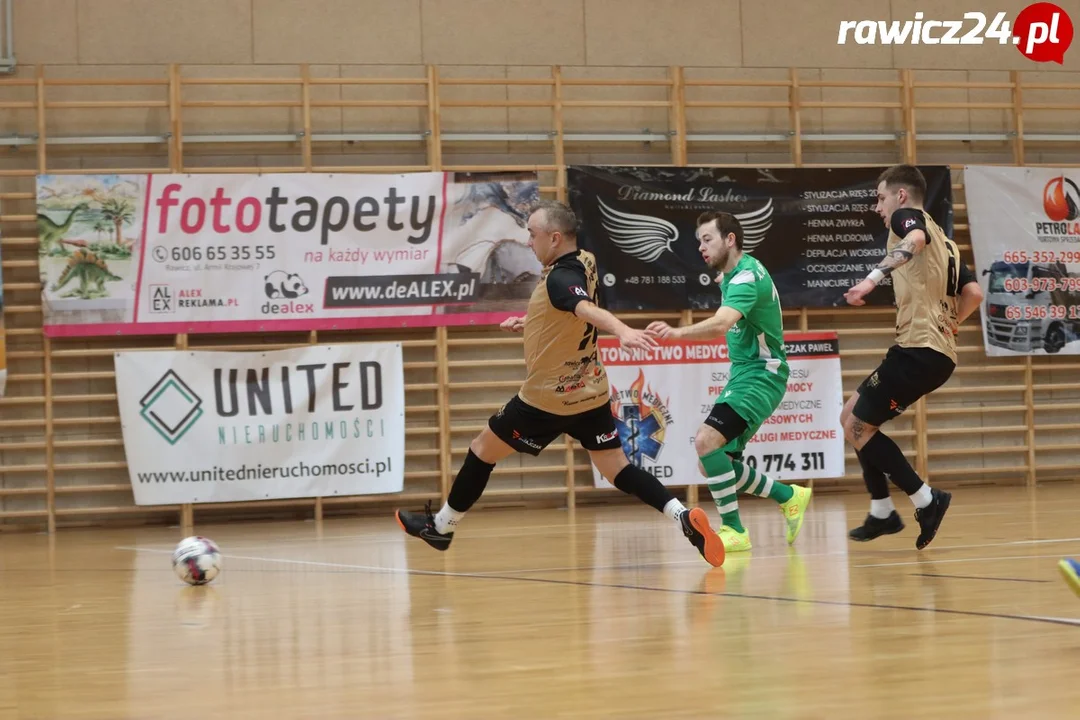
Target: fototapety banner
<point>163,254</point>
<point>814,229</point>
<point>1025,234</point>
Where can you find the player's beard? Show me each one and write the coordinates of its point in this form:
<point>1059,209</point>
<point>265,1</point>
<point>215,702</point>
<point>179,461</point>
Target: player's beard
<point>720,260</point>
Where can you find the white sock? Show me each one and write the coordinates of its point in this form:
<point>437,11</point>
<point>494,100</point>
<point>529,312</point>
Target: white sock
<point>922,497</point>
<point>674,509</point>
<point>447,519</point>
<point>882,509</point>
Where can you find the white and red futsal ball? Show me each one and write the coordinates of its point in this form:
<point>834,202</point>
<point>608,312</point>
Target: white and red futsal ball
<point>196,560</point>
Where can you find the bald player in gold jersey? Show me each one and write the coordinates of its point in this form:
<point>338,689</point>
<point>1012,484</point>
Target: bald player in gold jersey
<point>935,292</point>
<point>565,391</point>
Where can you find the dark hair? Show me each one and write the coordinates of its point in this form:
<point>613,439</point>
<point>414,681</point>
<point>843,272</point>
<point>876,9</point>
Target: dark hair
<point>558,217</point>
<point>726,223</point>
<point>908,177</point>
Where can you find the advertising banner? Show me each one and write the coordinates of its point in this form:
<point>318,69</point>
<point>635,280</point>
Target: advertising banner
<point>660,397</point>
<point>815,229</point>
<point>1025,235</point>
<point>164,254</point>
<point>317,421</point>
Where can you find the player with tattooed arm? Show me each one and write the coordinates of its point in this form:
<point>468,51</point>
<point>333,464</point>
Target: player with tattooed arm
<point>935,291</point>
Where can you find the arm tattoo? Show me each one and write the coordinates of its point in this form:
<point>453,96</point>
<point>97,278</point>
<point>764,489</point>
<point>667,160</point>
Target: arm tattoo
<point>898,256</point>
<point>858,427</point>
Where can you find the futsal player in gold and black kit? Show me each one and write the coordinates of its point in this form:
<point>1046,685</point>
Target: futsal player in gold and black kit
<point>565,391</point>
<point>935,291</point>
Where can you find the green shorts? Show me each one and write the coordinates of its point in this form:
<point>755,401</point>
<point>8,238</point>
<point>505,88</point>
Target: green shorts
<point>754,397</point>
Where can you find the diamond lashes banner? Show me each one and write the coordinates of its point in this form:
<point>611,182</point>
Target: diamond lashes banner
<point>315,421</point>
<point>164,254</point>
<point>815,229</point>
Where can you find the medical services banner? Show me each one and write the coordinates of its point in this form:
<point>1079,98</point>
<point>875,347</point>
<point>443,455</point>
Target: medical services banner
<point>815,229</point>
<point>660,397</point>
<point>317,421</point>
<point>1025,235</point>
<point>152,254</point>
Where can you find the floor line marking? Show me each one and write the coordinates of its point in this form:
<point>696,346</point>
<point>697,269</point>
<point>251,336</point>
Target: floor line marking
<point>975,577</point>
<point>957,560</point>
<point>644,588</point>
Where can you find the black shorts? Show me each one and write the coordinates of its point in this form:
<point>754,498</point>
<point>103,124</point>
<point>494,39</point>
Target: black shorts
<point>530,430</point>
<point>904,376</point>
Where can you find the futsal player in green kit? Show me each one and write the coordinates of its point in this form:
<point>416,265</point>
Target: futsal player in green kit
<point>750,318</point>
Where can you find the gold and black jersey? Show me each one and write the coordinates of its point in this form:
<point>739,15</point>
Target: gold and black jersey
<point>928,286</point>
<point>564,375</point>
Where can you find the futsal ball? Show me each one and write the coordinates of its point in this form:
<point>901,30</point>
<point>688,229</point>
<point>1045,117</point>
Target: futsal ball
<point>196,560</point>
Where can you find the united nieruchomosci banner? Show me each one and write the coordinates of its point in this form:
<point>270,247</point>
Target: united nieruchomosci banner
<point>660,397</point>
<point>1025,234</point>
<point>316,421</point>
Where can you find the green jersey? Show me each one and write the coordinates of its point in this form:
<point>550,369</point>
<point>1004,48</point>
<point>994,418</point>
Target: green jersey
<point>756,342</point>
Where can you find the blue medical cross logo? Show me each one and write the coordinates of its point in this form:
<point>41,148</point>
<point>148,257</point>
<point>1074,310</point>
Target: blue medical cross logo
<point>638,435</point>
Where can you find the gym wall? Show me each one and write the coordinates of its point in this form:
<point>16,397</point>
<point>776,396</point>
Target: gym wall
<point>175,79</point>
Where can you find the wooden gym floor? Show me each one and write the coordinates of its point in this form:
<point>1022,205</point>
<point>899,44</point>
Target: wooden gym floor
<point>604,612</point>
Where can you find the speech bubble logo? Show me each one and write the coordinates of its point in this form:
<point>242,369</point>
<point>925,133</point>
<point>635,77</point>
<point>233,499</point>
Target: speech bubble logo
<point>1043,32</point>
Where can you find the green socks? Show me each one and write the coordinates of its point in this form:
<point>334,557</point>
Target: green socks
<point>752,482</point>
<point>721,475</point>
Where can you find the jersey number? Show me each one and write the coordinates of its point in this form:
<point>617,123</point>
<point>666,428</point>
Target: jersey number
<point>952,280</point>
<point>590,336</point>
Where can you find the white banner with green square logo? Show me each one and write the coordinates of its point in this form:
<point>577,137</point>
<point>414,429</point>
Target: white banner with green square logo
<point>318,421</point>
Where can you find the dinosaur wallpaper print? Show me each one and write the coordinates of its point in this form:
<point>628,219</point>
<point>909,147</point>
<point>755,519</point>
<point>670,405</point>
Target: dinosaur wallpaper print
<point>88,243</point>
